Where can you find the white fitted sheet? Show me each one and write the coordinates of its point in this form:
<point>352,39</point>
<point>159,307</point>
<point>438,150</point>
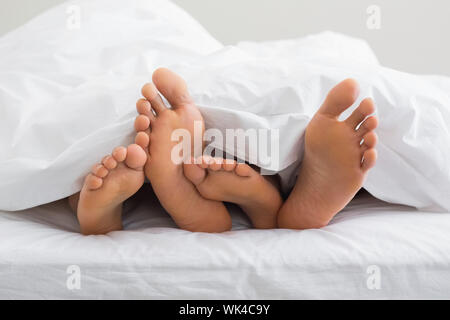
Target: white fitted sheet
<point>153,259</point>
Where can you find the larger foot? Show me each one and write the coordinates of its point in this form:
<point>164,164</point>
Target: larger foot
<point>155,126</point>
<point>335,162</point>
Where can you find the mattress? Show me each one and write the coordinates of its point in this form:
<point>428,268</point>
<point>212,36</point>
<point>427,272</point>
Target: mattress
<point>371,250</point>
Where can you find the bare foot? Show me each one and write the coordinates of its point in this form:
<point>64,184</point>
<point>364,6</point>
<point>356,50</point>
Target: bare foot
<point>225,180</point>
<point>110,183</point>
<point>177,194</point>
<point>335,162</point>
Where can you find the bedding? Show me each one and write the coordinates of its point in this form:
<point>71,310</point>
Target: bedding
<point>371,250</point>
<point>67,98</point>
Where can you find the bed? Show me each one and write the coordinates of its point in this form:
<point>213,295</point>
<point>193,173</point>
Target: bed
<point>55,86</point>
<point>371,250</point>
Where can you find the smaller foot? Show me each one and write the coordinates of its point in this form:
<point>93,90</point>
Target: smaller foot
<point>226,180</point>
<point>106,187</point>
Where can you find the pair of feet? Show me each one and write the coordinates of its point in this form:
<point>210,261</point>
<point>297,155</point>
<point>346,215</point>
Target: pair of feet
<point>333,169</point>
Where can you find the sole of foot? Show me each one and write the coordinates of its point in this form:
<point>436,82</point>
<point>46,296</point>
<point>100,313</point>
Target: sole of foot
<point>226,180</point>
<point>337,158</point>
<point>155,125</point>
<point>106,187</point>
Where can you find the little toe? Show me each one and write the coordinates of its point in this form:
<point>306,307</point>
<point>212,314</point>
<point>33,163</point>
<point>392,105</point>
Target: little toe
<point>369,159</point>
<point>365,109</point>
<point>243,170</point>
<point>99,170</point>
<point>150,92</point>
<point>142,123</point>
<point>93,182</point>
<point>135,157</point>
<point>109,162</point>
<point>340,98</point>
<point>369,124</point>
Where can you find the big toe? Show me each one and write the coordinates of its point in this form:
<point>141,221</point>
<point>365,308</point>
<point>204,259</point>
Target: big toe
<point>136,157</point>
<point>172,87</point>
<point>340,98</point>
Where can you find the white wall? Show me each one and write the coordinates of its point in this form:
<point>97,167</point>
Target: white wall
<point>414,34</point>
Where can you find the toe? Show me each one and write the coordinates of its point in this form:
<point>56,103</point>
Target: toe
<point>119,154</point>
<point>143,140</point>
<point>370,140</point>
<point>99,170</point>
<point>144,107</point>
<point>204,161</point>
<point>142,123</point>
<point>229,165</point>
<point>135,157</point>
<point>194,173</point>
<point>172,87</point>
<point>369,159</point>
<point>340,98</point>
<point>150,92</point>
<point>365,109</point>
<point>243,170</point>
<point>216,164</point>
<point>93,182</point>
<point>369,124</point>
<point>109,162</point>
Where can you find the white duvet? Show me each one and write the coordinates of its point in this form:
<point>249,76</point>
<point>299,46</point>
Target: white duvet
<point>67,98</point>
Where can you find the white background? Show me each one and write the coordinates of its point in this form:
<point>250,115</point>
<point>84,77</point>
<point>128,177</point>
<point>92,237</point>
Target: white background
<point>414,34</point>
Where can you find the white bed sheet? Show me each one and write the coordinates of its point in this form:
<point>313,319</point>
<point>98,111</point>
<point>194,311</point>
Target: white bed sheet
<point>153,259</point>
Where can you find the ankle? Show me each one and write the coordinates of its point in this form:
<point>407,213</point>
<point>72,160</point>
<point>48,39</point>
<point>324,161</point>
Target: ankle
<point>299,218</point>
